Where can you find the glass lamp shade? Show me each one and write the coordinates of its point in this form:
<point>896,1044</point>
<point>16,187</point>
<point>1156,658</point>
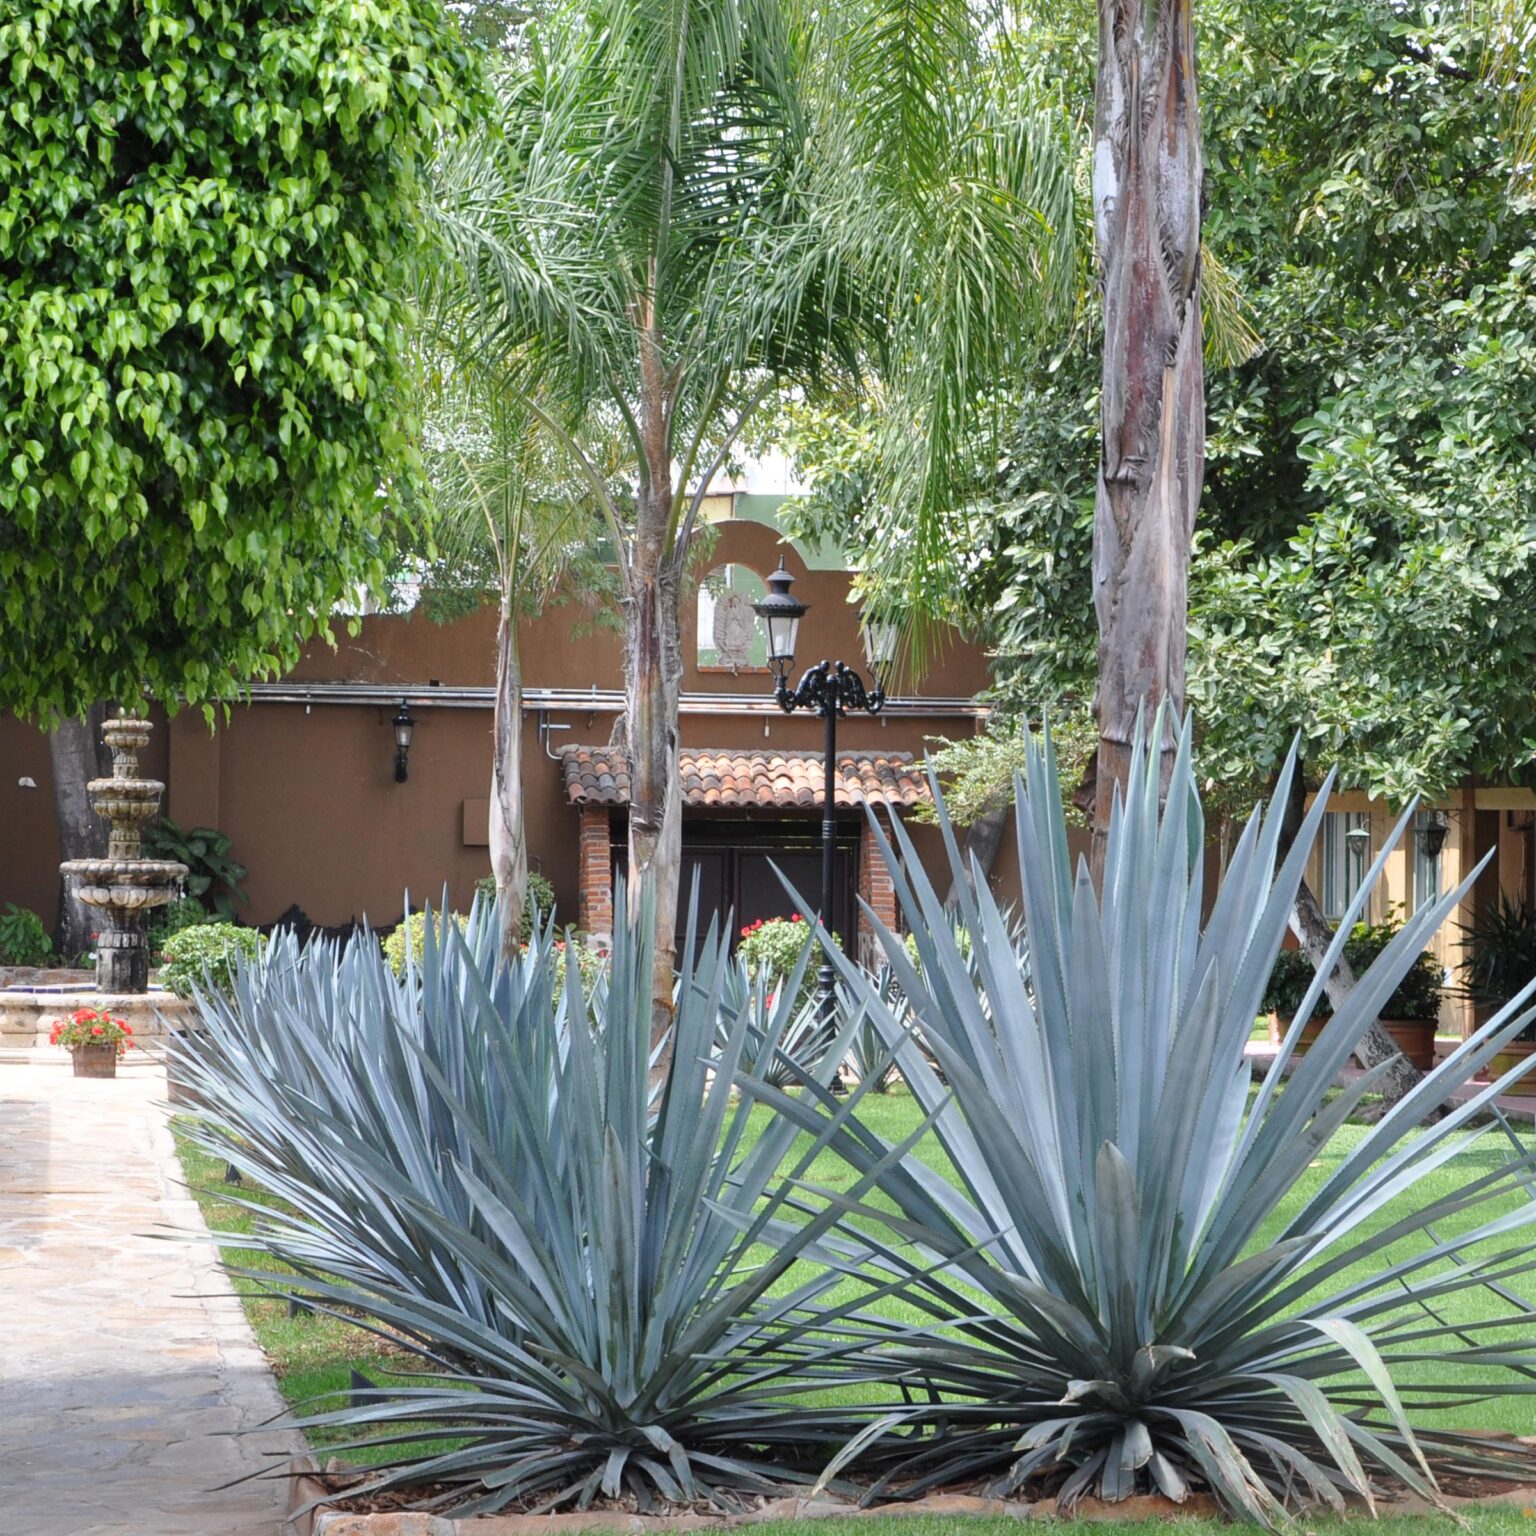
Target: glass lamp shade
<point>405,727</point>
<point>781,615</point>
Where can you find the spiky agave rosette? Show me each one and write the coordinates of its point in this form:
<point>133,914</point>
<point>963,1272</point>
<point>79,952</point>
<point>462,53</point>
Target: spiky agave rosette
<point>1111,1314</point>
<point>586,1261</point>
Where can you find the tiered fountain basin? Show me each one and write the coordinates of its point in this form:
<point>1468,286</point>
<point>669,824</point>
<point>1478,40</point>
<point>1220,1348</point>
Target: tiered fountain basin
<point>124,889</point>
<point>28,1009</point>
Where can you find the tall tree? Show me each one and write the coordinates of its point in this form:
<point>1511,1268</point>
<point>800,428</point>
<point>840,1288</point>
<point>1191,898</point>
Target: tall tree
<point>511,521</point>
<point>692,200</point>
<point>207,219</point>
<point>1148,185</point>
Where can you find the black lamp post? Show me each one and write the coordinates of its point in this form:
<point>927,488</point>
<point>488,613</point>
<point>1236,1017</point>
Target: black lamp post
<point>830,689</point>
<point>405,728</point>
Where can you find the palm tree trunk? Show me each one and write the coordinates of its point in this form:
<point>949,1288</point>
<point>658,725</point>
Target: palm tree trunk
<point>508,834</point>
<point>1147,175</point>
<point>75,757</point>
<point>653,673</point>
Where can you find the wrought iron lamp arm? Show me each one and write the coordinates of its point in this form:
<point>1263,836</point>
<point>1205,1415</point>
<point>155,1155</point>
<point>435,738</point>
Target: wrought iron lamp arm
<point>829,688</point>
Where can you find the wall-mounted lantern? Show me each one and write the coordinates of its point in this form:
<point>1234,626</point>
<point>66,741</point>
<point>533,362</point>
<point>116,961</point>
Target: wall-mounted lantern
<point>405,728</point>
<point>1432,835</point>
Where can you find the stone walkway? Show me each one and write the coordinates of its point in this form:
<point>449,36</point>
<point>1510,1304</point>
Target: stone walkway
<point>125,1359</point>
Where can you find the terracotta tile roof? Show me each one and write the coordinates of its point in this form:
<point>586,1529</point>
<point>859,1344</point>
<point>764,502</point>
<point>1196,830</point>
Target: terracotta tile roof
<point>786,780</point>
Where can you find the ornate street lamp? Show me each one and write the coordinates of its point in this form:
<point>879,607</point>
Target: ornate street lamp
<point>405,728</point>
<point>831,689</point>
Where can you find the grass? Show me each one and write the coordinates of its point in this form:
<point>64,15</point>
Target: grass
<point>312,1354</point>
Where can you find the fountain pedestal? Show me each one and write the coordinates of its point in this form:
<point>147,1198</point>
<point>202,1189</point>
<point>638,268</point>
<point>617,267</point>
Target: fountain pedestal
<point>124,887</point>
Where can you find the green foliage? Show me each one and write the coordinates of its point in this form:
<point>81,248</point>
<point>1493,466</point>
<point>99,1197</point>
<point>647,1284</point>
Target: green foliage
<point>186,913</point>
<point>1418,994</point>
<point>23,939</point>
<point>787,1037</point>
<point>1105,1313</point>
<point>1500,954</point>
<point>205,958</point>
<point>408,938</point>
<point>540,897</point>
<point>209,217</point>
<point>213,878</point>
<point>585,1261</point>
<point>774,949</point>
<point>1290,979</point>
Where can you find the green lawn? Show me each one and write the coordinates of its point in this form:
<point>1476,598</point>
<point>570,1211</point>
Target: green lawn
<point>311,1355</point>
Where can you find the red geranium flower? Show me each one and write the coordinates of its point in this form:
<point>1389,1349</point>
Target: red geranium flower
<point>96,1029</point>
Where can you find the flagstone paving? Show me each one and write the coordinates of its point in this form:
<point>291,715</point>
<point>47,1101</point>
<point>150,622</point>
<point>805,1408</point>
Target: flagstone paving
<point>125,1360</point>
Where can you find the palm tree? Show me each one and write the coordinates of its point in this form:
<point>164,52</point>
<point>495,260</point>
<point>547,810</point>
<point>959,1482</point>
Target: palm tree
<point>509,519</point>
<point>689,202</point>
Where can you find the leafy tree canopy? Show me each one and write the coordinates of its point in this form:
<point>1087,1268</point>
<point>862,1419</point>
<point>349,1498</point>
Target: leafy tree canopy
<point>206,221</point>
<point>1364,559</point>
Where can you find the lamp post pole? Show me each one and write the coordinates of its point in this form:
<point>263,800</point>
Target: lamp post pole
<point>831,689</point>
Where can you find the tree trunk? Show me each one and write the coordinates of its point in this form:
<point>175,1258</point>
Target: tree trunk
<point>1147,185</point>
<point>983,838</point>
<point>508,835</point>
<point>76,756</point>
<point>1315,933</point>
<point>653,673</point>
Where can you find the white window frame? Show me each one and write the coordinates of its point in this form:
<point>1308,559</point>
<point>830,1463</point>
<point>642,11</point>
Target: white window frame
<point>1343,866</point>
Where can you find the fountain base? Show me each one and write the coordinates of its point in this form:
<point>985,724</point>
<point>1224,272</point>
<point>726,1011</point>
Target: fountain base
<point>27,1013</point>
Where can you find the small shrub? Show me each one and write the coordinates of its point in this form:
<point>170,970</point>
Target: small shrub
<point>408,938</point>
<point>186,913</point>
<point>1418,993</point>
<point>1288,982</point>
<point>23,939</point>
<point>203,956</point>
<point>773,947</point>
<point>541,894</point>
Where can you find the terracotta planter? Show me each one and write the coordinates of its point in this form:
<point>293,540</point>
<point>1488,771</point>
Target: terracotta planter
<point>1511,1056</point>
<point>1279,1023</point>
<point>1415,1038</point>
<point>95,1060</point>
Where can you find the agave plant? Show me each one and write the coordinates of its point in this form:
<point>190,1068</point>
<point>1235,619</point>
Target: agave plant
<point>586,1262</point>
<point>874,1062</point>
<point>1108,1310</point>
<point>784,1037</point>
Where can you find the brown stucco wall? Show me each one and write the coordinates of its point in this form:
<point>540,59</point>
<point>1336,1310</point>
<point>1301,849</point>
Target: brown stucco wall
<point>308,796</point>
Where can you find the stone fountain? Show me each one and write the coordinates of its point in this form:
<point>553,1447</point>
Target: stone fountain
<point>125,886</point>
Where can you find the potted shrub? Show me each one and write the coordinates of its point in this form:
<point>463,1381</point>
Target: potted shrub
<point>94,1040</point>
<point>1500,958</point>
<point>1288,983</point>
<point>1412,1013</point>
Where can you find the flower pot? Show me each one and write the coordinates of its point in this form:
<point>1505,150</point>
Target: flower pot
<point>95,1060</point>
<point>1415,1038</point>
<point>1511,1056</point>
<point>1280,1023</point>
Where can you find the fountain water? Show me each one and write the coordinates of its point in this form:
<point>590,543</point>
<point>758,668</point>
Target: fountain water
<point>125,886</point>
